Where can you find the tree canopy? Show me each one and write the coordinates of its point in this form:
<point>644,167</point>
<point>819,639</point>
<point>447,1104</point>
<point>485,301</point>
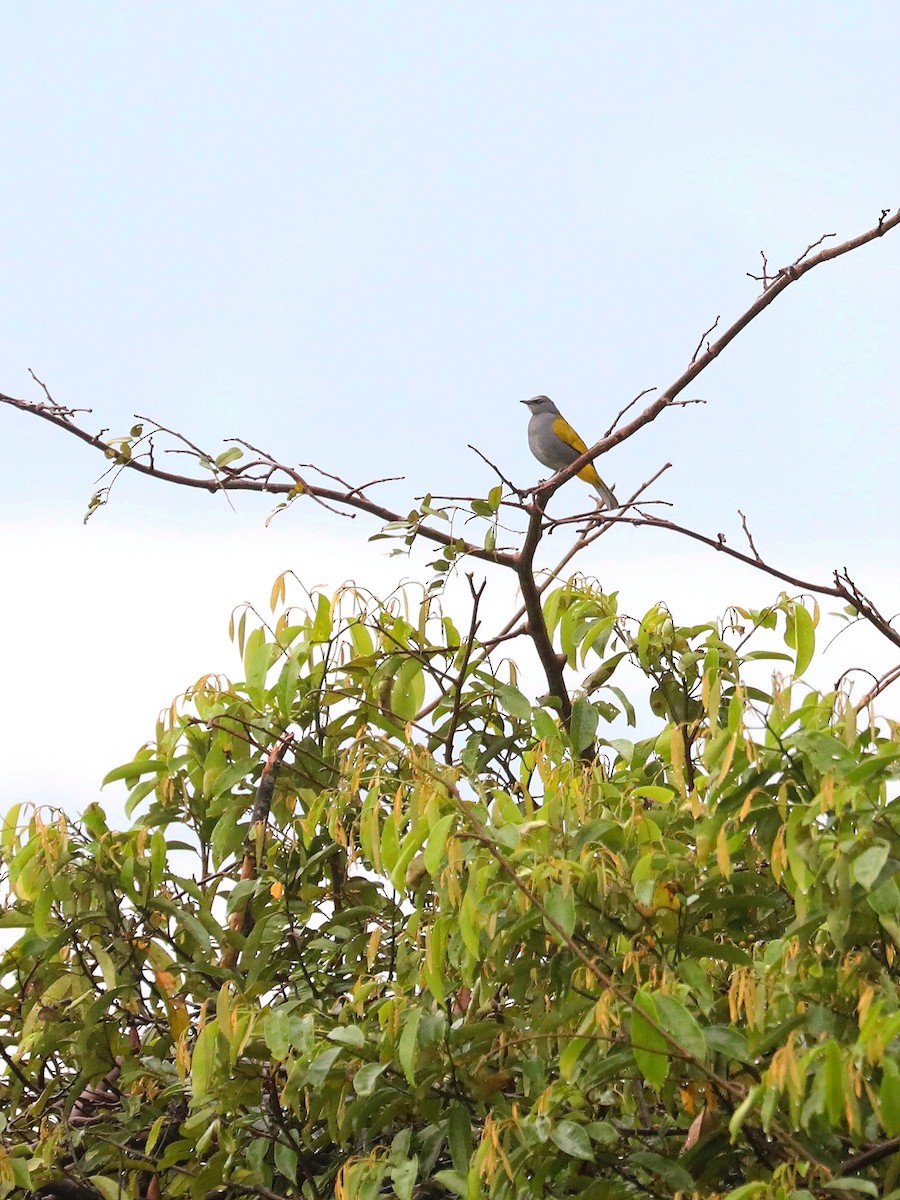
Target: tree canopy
<point>385,923</point>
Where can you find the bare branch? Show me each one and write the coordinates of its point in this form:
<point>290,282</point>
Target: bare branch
<point>631,403</point>
<point>784,278</point>
<point>880,686</point>
<point>512,487</point>
<point>764,278</point>
<point>812,246</point>
<point>843,588</point>
<point>849,591</point>
<point>865,1158</point>
<point>748,535</point>
<point>704,336</point>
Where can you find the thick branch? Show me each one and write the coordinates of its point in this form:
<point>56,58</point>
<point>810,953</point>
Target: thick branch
<point>865,1158</point>
<point>551,662</point>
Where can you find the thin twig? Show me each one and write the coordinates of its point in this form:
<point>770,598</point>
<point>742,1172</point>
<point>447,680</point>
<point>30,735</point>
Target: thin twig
<point>631,403</point>
<point>704,336</point>
<point>880,686</point>
<point>496,470</point>
<point>476,593</point>
<point>749,536</point>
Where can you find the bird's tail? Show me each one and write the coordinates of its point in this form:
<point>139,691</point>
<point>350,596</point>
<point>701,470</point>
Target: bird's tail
<point>606,493</point>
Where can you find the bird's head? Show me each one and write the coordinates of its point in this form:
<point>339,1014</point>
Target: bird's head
<point>540,404</point>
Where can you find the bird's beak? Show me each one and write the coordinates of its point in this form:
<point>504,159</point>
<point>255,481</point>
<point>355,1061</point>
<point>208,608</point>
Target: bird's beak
<point>524,401</point>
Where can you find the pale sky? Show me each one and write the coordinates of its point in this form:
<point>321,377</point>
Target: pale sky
<point>358,235</point>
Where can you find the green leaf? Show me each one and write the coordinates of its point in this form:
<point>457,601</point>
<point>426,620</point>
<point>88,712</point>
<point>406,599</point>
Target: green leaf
<point>560,906</point>
<point>676,1019</point>
<point>651,1050</point>
<point>851,1184</point>
<point>889,1095</point>
<point>573,1140</point>
<point>403,1177</point>
<point>108,1188</point>
<point>203,1060</point>
<point>41,912</point>
<point>348,1035</point>
<point>604,672</point>
<point>703,947</point>
<point>513,701</point>
<point>834,1078</point>
<point>453,1181</point>
<point>583,724</point>
<point>568,1060</point>
<point>800,635</point>
<point>459,1136</point>
<point>257,658</point>
<point>277,1032</point>
<point>318,1069</point>
<point>367,1076</point>
<point>678,1179</point>
<point>885,899</point>
<point>322,623</point>
<point>406,1048</point>
<point>158,858</point>
<point>285,1160</point>
<point>867,866</point>
<point>723,1039</point>
<point>133,770</point>
<point>436,845</point>
<point>20,1173</point>
<point>408,690</point>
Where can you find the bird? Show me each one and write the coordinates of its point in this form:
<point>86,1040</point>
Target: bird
<point>554,442</point>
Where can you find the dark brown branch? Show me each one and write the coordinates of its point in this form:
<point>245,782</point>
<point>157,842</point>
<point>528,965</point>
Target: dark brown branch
<point>66,1189</point>
<point>849,591</point>
<point>508,483</point>
<point>718,543</point>
<point>241,921</point>
<point>865,1158</point>
<point>879,686</point>
<point>551,662</point>
<point>18,1072</point>
<point>511,628</point>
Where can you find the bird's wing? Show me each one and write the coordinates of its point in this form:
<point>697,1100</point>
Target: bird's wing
<point>567,434</point>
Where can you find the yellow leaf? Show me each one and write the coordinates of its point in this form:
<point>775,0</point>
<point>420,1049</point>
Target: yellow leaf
<point>166,981</point>
<point>723,858</point>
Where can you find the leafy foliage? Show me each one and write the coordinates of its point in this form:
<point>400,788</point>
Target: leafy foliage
<point>383,925</point>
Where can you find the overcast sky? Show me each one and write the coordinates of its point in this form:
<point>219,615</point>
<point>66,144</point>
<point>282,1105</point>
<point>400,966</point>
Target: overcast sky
<point>358,234</point>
